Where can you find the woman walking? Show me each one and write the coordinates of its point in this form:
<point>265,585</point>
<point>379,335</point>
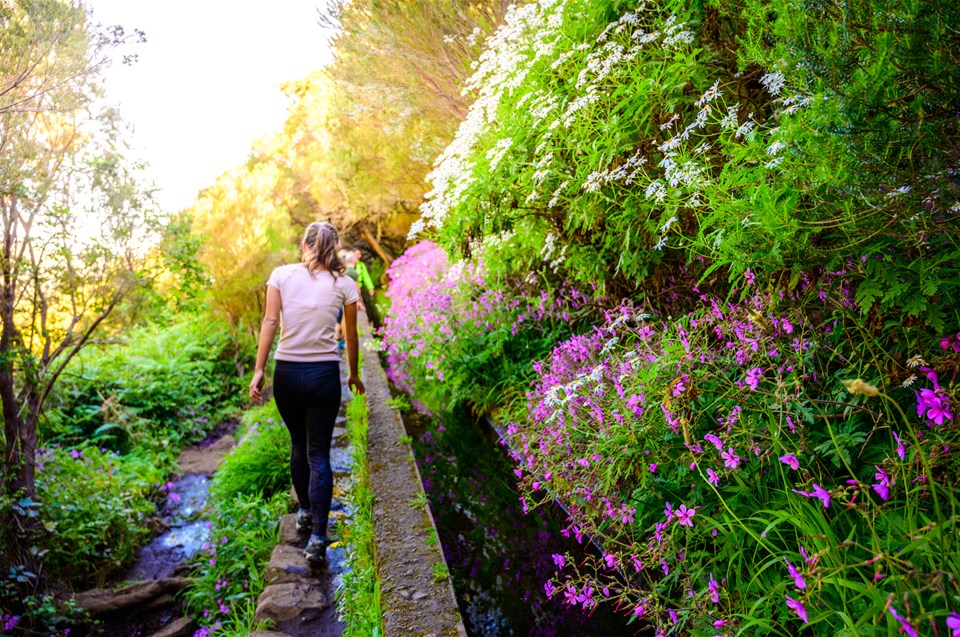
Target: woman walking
<point>304,300</point>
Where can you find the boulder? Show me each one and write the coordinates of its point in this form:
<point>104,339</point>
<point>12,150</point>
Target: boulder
<point>292,600</point>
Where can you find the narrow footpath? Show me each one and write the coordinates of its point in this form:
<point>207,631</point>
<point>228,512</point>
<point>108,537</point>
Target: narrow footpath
<point>416,593</point>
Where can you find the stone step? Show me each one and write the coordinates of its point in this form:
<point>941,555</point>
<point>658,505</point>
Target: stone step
<point>300,601</point>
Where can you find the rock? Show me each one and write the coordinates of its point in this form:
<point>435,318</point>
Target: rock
<point>404,593</point>
<point>418,596</point>
<point>268,633</point>
<point>287,564</point>
<point>163,601</point>
<point>288,529</point>
<point>100,601</point>
<point>291,600</point>
<point>182,627</point>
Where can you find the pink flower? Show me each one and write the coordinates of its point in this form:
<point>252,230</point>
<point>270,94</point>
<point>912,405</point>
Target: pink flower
<point>818,492</point>
<point>797,607</point>
<point>798,580</point>
<point>936,406</point>
<point>711,438</point>
<point>730,458</point>
<point>883,483</point>
<point>685,515</point>
<point>791,461</point>
<point>900,449</point>
<point>610,560</point>
<point>712,477</point>
<point>668,512</point>
<point>753,378</point>
<point>953,624</point>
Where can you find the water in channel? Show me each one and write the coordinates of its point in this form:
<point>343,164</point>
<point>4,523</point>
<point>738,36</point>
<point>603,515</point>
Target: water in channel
<point>499,558</point>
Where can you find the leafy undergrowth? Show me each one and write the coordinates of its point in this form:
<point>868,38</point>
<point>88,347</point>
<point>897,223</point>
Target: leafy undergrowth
<point>358,599</point>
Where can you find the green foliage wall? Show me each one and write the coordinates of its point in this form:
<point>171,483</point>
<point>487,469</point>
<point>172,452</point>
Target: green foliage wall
<point>758,139</point>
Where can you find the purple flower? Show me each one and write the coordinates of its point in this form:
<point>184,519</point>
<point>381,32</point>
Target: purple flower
<point>907,628</point>
<point>712,477</point>
<point>668,512</point>
<point>586,597</point>
<point>610,560</point>
<point>953,624</point>
<point>791,461</point>
<point>900,449</point>
<point>714,588</point>
<point>570,595</point>
<point>936,406</point>
<point>685,515</point>
<point>818,492</point>
<point>559,560</point>
<point>715,440</point>
<point>797,607</point>
<point>883,483</point>
<point>753,378</point>
<point>730,458</point>
<point>549,589</point>
<point>798,580</point>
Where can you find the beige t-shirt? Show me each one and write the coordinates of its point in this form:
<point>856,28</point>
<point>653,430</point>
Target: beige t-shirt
<point>309,306</point>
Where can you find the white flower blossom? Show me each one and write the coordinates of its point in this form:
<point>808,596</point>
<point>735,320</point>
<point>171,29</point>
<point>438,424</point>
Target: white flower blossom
<point>773,82</point>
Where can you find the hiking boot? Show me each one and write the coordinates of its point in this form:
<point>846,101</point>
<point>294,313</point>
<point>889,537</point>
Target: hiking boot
<point>316,551</point>
<point>304,522</point>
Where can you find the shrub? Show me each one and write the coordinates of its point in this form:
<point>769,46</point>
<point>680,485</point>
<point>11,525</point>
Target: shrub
<point>759,138</point>
<point>161,386</point>
<point>260,463</point>
<point>94,505</point>
<point>230,570</point>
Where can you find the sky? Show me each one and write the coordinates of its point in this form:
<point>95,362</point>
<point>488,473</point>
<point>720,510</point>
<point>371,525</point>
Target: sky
<point>207,81</point>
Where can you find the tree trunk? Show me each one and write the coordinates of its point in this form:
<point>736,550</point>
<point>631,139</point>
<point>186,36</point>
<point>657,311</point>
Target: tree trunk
<point>368,236</point>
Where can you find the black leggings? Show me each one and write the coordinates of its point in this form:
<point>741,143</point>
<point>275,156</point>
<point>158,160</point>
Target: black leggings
<point>308,398</point>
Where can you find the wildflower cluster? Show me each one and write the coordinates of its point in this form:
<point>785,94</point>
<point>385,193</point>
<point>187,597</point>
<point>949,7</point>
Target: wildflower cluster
<point>449,329</point>
<point>715,459</point>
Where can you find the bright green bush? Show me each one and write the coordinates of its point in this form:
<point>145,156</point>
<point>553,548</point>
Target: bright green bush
<point>161,386</point>
<point>764,138</point>
<point>94,507</point>
<point>260,463</point>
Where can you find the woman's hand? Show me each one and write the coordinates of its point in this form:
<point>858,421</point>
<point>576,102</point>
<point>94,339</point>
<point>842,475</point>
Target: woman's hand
<point>256,386</point>
<point>355,384</point>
